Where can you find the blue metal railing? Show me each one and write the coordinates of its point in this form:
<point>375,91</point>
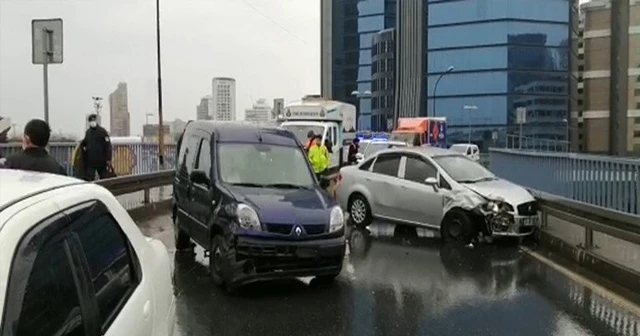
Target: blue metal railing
<point>599,180</point>
<point>127,158</point>
<point>536,144</point>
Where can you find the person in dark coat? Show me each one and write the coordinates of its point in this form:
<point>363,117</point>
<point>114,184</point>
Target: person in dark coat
<point>354,147</point>
<point>97,150</point>
<point>34,155</point>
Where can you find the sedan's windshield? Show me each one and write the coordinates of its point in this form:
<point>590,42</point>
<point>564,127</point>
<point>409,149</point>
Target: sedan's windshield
<point>410,138</point>
<point>463,170</point>
<point>301,131</point>
<point>459,148</point>
<point>264,165</point>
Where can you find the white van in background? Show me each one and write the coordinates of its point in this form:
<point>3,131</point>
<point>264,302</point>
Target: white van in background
<point>470,150</point>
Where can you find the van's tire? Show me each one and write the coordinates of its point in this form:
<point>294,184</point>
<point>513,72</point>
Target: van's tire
<point>217,253</point>
<point>458,226</point>
<point>181,238</point>
<point>359,210</point>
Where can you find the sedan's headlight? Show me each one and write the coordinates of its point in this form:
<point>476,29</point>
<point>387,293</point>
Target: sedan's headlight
<point>497,206</point>
<point>247,217</point>
<point>336,223</point>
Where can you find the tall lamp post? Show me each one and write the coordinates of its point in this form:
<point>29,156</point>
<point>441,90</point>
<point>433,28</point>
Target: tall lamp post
<point>159,64</point>
<point>470,108</point>
<point>435,87</point>
<point>358,94</point>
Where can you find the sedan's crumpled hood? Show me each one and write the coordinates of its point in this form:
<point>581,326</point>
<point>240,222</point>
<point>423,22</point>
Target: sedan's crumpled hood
<point>502,190</point>
<point>286,206</point>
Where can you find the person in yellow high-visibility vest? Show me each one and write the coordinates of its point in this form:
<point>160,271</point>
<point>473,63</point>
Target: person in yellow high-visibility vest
<point>319,156</point>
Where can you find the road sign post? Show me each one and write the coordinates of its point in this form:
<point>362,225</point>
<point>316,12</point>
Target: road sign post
<point>46,47</point>
<point>521,116</point>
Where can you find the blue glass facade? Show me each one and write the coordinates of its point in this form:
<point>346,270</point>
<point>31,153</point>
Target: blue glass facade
<point>506,54</point>
<point>355,22</point>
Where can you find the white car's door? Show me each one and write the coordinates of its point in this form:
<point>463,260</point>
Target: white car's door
<point>382,183</point>
<point>421,203</point>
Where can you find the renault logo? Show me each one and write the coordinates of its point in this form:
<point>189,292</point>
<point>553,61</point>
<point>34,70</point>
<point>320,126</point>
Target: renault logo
<point>298,231</point>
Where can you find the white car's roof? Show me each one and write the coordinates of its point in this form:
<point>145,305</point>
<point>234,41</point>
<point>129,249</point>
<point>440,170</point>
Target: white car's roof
<point>18,184</point>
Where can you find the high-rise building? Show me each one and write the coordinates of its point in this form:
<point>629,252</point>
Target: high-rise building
<point>119,111</point>
<point>203,109</point>
<point>260,112</point>
<point>609,121</point>
<point>498,55</point>
<point>347,30</point>
<point>382,80</point>
<point>224,98</point>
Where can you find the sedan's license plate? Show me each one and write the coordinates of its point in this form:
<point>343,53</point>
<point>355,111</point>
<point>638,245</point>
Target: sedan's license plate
<point>531,221</point>
<point>306,252</point>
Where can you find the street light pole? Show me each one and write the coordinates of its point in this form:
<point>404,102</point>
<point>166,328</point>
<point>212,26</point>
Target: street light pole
<point>160,123</point>
<point>470,108</point>
<point>435,87</point>
<point>358,95</point>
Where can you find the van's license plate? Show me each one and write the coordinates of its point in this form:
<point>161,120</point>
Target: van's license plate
<point>531,221</point>
<point>306,252</point>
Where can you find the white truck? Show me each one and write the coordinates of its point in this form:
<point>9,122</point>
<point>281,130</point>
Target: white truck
<point>332,119</point>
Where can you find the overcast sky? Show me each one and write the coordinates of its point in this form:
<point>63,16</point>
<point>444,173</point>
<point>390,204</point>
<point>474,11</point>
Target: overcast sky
<point>271,47</point>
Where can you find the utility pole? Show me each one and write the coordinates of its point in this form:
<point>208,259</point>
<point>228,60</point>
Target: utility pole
<point>160,121</point>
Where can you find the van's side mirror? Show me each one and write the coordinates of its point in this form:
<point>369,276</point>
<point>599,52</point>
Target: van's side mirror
<point>199,177</point>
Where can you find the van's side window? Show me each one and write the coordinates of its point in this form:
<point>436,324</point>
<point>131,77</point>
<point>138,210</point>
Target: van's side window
<point>204,158</point>
<point>187,153</point>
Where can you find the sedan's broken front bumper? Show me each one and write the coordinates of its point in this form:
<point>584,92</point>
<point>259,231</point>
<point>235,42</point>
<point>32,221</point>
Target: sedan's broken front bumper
<point>513,226</point>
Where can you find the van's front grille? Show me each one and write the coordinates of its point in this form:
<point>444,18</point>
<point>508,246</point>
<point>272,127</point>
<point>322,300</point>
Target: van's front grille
<point>284,229</point>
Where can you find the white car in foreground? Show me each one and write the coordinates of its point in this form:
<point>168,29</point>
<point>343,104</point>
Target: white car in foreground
<point>73,262</point>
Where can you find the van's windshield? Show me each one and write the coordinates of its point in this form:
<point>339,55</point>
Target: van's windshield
<point>264,165</point>
<point>301,131</point>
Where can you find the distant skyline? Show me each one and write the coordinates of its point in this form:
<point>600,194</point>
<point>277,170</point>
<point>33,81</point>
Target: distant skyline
<point>271,48</point>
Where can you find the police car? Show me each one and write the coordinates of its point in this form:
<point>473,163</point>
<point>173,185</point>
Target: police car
<point>73,262</point>
<point>372,146</point>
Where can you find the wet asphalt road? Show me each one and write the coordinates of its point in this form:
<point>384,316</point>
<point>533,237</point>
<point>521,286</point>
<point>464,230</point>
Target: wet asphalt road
<point>399,286</point>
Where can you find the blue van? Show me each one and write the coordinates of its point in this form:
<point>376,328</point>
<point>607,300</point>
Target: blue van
<point>248,195</point>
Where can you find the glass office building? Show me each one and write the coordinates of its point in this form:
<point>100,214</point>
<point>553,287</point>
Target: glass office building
<point>348,28</point>
<point>506,54</point>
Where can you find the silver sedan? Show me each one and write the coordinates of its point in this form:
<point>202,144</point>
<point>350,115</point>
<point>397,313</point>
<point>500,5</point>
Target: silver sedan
<point>438,189</point>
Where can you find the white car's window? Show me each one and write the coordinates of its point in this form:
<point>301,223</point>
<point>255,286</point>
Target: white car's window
<point>263,164</point>
<point>387,164</point>
<point>463,169</point>
<point>50,305</point>
<point>110,263</point>
<point>417,170</point>
<point>459,148</point>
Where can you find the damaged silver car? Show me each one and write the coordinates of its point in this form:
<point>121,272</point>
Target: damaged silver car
<point>438,189</point>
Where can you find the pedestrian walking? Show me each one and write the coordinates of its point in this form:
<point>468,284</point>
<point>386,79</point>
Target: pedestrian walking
<point>96,147</point>
<point>34,155</point>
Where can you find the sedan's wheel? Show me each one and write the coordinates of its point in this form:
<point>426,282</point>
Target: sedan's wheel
<point>359,211</point>
<point>457,226</point>
<point>216,258</point>
<point>181,238</point>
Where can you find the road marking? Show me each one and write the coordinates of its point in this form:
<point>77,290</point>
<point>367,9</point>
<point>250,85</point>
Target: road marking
<point>598,289</point>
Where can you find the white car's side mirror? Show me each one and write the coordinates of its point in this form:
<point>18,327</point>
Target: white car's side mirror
<point>359,156</point>
<point>431,181</point>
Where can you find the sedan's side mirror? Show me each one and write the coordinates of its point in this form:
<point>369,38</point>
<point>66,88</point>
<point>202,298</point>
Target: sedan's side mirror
<point>199,177</point>
<point>433,182</point>
<point>359,156</point>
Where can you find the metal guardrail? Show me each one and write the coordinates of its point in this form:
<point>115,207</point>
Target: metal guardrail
<point>622,225</point>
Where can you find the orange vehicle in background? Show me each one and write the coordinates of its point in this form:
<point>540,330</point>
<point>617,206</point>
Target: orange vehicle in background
<point>431,131</point>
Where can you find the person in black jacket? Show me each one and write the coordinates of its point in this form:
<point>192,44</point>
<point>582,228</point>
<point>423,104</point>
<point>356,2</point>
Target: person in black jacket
<point>354,147</point>
<point>97,150</point>
<point>34,156</point>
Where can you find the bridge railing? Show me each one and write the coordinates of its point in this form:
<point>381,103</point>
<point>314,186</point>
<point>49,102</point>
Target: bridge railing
<point>514,141</point>
<point>603,181</point>
<point>127,158</point>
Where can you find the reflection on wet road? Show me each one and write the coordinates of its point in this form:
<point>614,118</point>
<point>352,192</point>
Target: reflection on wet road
<point>402,286</point>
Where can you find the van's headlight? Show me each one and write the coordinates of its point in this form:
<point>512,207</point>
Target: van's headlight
<point>336,223</point>
<point>247,217</point>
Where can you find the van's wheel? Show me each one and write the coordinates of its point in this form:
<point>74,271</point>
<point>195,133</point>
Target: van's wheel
<point>181,238</point>
<point>359,210</point>
<point>457,226</point>
<point>216,257</point>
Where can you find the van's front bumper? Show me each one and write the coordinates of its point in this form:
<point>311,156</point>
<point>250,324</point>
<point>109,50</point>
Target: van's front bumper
<point>258,259</point>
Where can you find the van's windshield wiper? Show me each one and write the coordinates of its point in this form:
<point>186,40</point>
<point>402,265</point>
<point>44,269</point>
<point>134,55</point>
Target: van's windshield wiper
<point>285,186</point>
<point>253,185</point>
